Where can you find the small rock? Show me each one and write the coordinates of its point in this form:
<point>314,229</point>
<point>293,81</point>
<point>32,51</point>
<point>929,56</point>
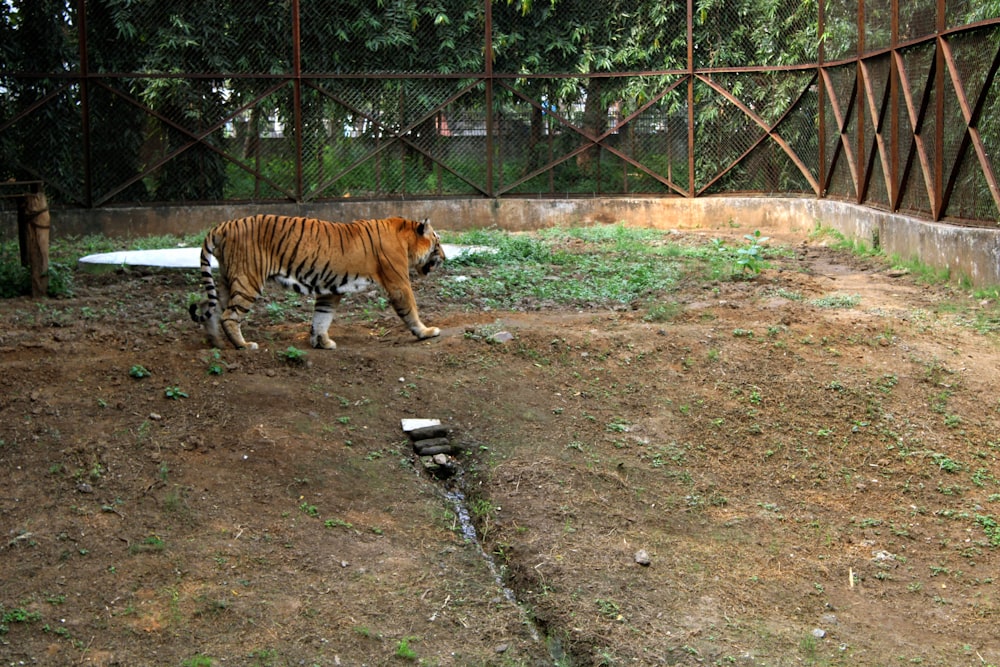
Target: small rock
<point>428,432</point>
<point>433,450</point>
<point>819,633</point>
<point>83,487</point>
<point>502,337</point>
<point>441,459</point>
<point>642,558</point>
<point>501,648</point>
<point>155,416</point>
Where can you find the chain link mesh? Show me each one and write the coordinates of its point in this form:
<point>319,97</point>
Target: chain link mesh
<point>298,100</point>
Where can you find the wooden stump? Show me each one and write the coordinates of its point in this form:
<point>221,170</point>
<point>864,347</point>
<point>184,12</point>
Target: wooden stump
<point>33,224</point>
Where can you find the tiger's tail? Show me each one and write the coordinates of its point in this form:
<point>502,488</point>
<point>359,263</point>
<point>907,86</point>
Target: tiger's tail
<point>206,312</point>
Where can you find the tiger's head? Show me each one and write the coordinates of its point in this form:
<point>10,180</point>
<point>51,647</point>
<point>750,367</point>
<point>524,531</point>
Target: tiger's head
<point>428,253</point>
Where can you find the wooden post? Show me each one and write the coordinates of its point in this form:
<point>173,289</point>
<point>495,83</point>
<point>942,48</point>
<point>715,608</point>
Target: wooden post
<point>33,233</point>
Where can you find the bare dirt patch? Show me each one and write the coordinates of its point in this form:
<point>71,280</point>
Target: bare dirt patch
<point>807,458</point>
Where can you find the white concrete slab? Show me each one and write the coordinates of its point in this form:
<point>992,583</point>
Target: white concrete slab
<point>413,424</point>
<point>190,258</point>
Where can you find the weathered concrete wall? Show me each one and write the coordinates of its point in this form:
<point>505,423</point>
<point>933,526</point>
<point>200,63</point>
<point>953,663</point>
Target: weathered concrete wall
<point>972,254</point>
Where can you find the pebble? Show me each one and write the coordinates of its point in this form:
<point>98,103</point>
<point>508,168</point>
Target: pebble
<point>642,558</point>
<point>819,633</point>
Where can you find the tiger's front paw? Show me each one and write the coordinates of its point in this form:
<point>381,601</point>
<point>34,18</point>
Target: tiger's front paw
<point>322,343</point>
<point>249,346</point>
<point>429,332</point>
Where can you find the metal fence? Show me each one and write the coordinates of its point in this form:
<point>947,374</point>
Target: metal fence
<point>889,104</point>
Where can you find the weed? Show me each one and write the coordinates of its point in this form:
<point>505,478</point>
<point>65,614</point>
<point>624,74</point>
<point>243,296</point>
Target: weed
<point>661,312</point>
<point>151,544</point>
<point>946,463</point>
<point>264,656</point>
<point>293,355</point>
<point>309,510</point>
<point>750,258</point>
<point>16,615</point>
<point>198,661</point>
<point>609,609</point>
<point>404,650</point>
<point>138,372</point>
<point>338,523</point>
<point>982,476</point>
<point>174,393</point>
<point>990,527</point>
<point>618,425</point>
<point>215,364</point>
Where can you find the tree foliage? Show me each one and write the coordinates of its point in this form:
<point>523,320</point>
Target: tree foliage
<point>180,94</point>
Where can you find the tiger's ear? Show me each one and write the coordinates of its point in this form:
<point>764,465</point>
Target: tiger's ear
<point>422,226</point>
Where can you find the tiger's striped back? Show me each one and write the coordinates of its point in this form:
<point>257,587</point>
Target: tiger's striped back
<point>316,257</point>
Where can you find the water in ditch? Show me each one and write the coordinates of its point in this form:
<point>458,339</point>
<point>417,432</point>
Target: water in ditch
<point>464,518</point>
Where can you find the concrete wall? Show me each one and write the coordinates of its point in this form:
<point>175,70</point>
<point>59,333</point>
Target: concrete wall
<point>972,254</point>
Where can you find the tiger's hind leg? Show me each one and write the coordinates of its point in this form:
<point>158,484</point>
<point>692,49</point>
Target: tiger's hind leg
<point>235,304</point>
<point>406,307</point>
<point>322,317</point>
<point>212,329</point>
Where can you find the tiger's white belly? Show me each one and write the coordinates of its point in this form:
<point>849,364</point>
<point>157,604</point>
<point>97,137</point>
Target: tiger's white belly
<point>359,284</point>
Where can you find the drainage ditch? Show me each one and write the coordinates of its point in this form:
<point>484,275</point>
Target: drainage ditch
<point>437,454</point>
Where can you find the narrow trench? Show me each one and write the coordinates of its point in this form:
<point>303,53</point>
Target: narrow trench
<point>453,491</point>
<point>436,456</point>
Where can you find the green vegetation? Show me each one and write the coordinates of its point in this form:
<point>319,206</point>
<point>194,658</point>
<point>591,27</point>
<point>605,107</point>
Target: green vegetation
<point>174,393</point>
<point>404,650</point>
<point>16,615</point>
<point>602,265</point>
<point>292,355</point>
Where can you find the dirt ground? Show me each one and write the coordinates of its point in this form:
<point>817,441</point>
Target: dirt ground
<point>807,459</point>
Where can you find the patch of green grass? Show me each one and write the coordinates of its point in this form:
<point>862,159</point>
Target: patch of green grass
<point>198,661</point>
<point>151,544</point>
<point>837,240</point>
<point>16,615</point>
<point>921,272</point>
<point>619,265</point>
<point>404,650</point>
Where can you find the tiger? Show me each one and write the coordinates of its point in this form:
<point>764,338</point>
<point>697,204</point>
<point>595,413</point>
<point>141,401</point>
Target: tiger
<point>315,257</point>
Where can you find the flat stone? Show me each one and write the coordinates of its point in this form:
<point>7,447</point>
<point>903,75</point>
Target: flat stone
<point>411,424</point>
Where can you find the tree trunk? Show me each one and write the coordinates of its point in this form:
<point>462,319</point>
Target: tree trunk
<point>595,119</point>
<point>33,233</point>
